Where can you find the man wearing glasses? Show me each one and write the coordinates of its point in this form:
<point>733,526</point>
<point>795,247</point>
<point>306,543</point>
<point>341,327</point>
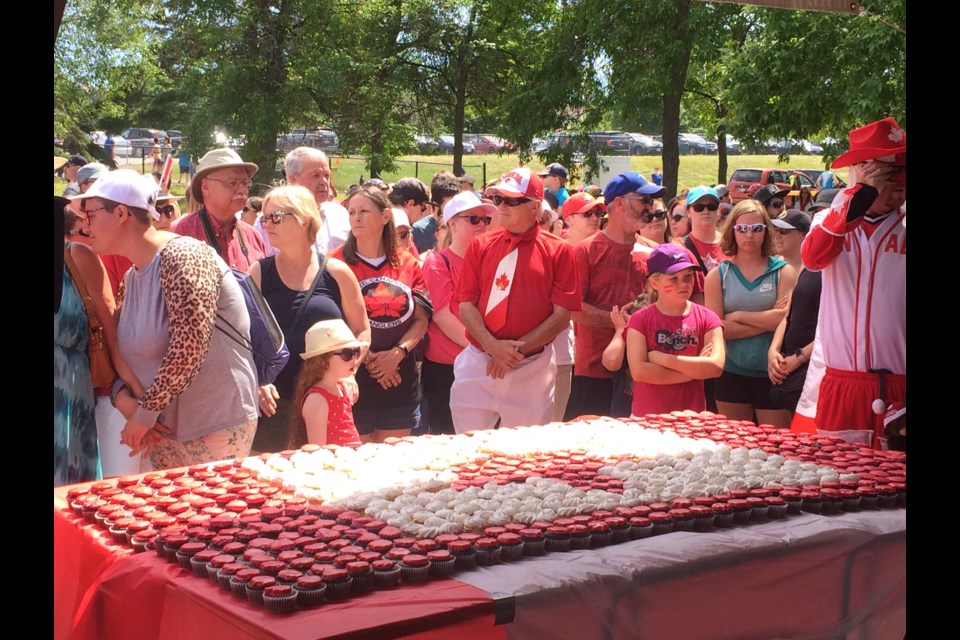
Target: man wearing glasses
<point>517,289</point>
<point>221,187</point>
<point>608,278</point>
<point>859,244</point>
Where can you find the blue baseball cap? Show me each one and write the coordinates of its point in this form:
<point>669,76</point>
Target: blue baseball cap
<point>698,192</point>
<point>630,182</point>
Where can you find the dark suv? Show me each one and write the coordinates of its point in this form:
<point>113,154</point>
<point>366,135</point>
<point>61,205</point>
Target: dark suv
<point>611,143</point>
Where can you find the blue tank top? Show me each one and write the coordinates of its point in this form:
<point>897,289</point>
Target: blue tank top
<point>748,356</point>
<point>285,303</point>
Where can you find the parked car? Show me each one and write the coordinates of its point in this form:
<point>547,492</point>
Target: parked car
<point>694,143</point>
<point>733,146</point>
<point>446,145</point>
<point>741,180</point>
<point>427,145</point>
<point>318,138</point>
<point>121,146</point>
<point>487,143</point>
<point>610,143</point>
<point>644,145</point>
<point>141,139</point>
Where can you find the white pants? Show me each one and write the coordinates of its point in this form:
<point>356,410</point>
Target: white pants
<point>115,457</point>
<point>524,396</point>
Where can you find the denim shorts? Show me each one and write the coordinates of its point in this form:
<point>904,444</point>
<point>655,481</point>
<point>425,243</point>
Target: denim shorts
<point>405,416</point>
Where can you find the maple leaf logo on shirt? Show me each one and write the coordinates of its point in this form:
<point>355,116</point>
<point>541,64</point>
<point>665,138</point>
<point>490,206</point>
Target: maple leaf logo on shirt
<point>502,282</point>
<point>383,302</point>
<point>896,135</point>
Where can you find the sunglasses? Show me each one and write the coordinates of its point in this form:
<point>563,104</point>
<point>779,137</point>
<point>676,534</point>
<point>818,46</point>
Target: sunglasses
<point>649,217</point>
<point>276,217</point>
<point>166,210</point>
<point>403,235</point>
<point>677,217</point>
<point>592,212</point>
<point>776,204</point>
<point>755,228</point>
<point>510,202</point>
<point>475,220</point>
<point>647,200</point>
<point>348,354</point>
<point>710,206</point>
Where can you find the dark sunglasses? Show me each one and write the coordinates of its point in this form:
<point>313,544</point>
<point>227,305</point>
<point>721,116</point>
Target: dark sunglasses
<point>744,228</point>
<point>348,354</point>
<point>475,220</point>
<point>647,200</point>
<point>510,202</point>
<point>677,217</point>
<point>276,217</point>
<point>594,212</point>
<point>166,210</point>
<point>776,204</point>
<point>403,235</point>
<point>710,206</point>
<point>649,217</point>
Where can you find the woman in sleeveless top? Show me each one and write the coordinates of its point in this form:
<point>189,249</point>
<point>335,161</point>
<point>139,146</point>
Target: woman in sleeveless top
<point>750,293</point>
<point>291,219</point>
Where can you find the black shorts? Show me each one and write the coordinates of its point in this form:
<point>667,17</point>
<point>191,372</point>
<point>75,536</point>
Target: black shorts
<point>738,389</point>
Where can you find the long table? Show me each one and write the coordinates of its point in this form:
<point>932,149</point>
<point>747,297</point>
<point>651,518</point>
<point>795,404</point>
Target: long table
<point>807,576</point>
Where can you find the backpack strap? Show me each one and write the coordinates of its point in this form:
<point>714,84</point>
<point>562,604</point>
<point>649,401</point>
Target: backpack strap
<point>313,287</point>
<point>689,244</point>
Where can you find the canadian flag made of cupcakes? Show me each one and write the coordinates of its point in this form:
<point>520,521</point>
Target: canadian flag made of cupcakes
<point>295,529</point>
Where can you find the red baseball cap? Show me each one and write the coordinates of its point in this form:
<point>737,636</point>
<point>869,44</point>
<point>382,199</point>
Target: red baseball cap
<point>520,183</point>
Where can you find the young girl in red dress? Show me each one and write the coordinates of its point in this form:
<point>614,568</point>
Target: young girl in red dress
<point>326,389</point>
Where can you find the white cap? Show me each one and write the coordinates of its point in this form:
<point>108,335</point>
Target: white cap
<point>400,218</point>
<point>466,201</point>
<point>127,187</point>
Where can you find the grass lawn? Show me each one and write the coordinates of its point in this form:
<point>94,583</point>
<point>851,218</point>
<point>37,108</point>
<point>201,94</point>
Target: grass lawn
<point>694,170</point>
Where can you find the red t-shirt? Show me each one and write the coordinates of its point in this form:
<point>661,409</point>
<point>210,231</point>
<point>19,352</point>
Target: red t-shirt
<point>546,275</point>
<point>341,428</point>
<point>227,244</point>
<point>441,282</point>
<point>116,266</point>
<point>711,255</point>
<point>608,277</point>
<point>679,336</point>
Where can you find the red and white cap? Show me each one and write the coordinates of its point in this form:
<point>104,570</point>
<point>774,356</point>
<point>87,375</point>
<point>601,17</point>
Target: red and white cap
<point>520,183</point>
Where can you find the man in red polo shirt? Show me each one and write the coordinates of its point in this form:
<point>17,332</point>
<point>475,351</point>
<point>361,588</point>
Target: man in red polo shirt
<point>221,186</point>
<point>608,277</point>
<point>517,289</point>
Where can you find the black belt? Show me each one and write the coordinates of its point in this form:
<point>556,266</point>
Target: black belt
<point>535,352</point>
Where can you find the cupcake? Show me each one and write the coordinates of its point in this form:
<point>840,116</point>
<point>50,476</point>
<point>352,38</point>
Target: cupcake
<point>289,576</point>
<point>171,544</point>
<point>386,574</point>
<point>488,551</point>
<point>310,591</point>
<point>272,567</point>
<point>442,540</point>
<point>793,500</point>
<point>216,563</point>
<point>200,560</point>
<point>886,496</point>
<point>662,522</point>
<point>851,499</point>
<point>142,540</point>
<point>703,518</point>
<point>279,599</point>
<point>620,527</point>
<point>187,551</point>
<point>416,568</point>
<point>640,527</point>
<point>227,572</point>
<point>812,502</point>
<point>442,562</point>
<point>362,576</point>
<point>238,583</point>
<point>742,510</point>
<point>580,536</point>
<point>600,533</point>
<point>339,583</point>
<point>758,509</point>
<point>256,587</point>
<point>776,507</point>
<point>424,546</point>
<point>463,553</point>
<point>302,564</point>
<point>868,497</point>
<point>534,541</point>
<point>383,546</point>
<point>832,502</point>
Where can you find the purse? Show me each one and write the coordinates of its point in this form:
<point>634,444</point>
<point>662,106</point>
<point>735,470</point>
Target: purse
<point>101,368</point>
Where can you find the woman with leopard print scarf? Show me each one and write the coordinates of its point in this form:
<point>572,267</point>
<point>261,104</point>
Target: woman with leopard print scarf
<point>196,398</point>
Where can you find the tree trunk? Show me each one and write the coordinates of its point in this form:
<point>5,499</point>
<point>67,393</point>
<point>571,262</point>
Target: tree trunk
<point>671,101</point>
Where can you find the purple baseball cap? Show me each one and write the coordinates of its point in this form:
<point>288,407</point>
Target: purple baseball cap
<point>668,259</point>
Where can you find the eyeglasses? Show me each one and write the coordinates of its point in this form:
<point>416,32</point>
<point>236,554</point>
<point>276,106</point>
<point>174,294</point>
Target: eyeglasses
<point>648,217</point>
<point>776,204</point>
<point>234,184</point>
<point>276,217</point>
<point>510,202</point>
<point>475,220</point>
<point>677,217</point>
<point>89,212</point>
<point>710,206</point>
<point>348,354</point>
<point>403,235</point>
<point>593,212</point>
<point>647,200</point>
<point>166,209</point>
<point>755,228</point>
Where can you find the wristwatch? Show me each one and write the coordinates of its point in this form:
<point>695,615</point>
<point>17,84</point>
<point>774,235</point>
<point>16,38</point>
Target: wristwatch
<point>799,354</point>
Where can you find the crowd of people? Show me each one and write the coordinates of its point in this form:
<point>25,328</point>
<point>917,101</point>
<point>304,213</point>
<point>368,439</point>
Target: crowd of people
<point>411,309</point>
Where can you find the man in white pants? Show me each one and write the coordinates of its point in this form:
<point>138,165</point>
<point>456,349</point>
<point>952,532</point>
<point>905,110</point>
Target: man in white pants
<point>517,289</point>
